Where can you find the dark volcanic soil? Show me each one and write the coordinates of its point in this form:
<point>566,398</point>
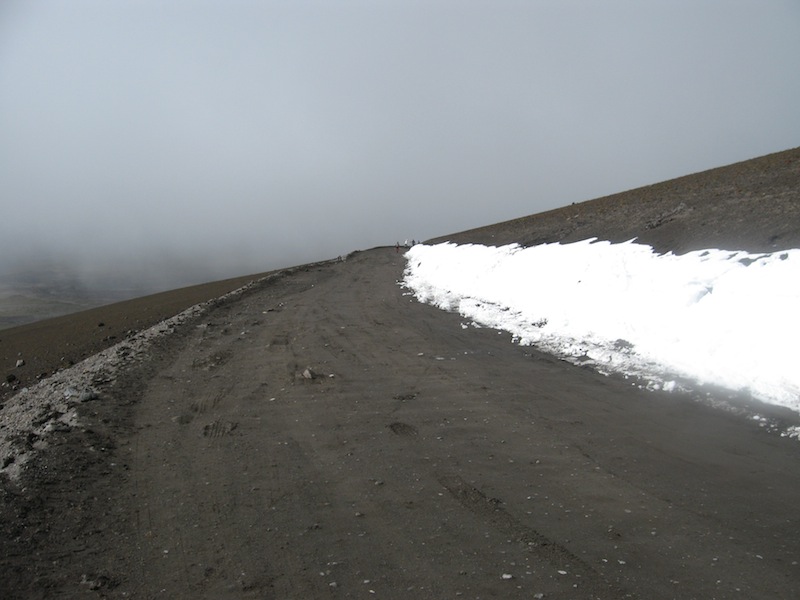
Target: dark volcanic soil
<point>752,205</point>
<point>53,344</point>
<point>325,436</point>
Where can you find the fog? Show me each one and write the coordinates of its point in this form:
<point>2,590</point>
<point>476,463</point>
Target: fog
<point>167,143</point>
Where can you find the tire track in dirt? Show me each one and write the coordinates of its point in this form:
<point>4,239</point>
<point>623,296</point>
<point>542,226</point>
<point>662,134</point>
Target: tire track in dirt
<point>436,462</point>
<point>568,564</point>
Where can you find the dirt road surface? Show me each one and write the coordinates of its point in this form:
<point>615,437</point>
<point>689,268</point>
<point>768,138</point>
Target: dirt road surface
<point>326,436</point>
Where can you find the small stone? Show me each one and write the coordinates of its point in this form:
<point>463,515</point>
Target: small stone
<point>20,363</point>
<point>58,426</point>
<point>506,576</point>
<point>88,394</point>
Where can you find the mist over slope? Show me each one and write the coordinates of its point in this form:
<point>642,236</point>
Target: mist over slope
<point>40,289</point>
<point>752,205</point>
<point>36,286</point>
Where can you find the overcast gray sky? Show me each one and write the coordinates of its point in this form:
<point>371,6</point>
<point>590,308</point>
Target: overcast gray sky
<point>232,137</point>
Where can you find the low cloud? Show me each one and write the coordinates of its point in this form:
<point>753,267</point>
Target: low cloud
<point>163,146</point>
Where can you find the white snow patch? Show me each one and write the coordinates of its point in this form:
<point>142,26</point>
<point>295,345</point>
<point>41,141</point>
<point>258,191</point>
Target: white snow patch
<point>719,317</point>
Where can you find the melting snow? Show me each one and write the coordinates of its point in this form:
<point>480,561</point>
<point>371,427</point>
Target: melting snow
<point>720,317</point>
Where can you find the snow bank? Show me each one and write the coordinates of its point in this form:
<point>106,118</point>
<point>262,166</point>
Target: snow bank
<point>720,317</point>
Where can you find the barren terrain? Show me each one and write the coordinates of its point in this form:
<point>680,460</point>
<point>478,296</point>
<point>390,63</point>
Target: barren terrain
<point>323,435</point>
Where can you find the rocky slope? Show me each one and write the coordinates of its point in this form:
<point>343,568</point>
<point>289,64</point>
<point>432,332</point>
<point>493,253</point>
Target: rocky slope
<point>752,205</point>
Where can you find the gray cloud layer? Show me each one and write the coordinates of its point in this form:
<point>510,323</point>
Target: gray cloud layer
<point>220,138</point>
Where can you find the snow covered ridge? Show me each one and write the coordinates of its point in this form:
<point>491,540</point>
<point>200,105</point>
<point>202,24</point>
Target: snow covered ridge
<point>718,317</point>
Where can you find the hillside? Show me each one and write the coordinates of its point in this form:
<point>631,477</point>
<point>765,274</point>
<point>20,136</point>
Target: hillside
<point>49,345</point>
<point>752,205</point>
<point>320,434</point>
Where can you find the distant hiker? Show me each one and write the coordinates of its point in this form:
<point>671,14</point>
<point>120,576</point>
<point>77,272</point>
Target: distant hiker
<point>397,247</point>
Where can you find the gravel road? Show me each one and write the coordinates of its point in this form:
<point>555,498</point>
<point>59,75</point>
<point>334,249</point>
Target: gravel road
<point>322,435</point>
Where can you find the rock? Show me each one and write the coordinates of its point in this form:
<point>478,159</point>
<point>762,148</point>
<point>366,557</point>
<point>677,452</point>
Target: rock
<point>58,426</point>
<point>20,363</point>
<point>11,378</point>
<point>88,394</point>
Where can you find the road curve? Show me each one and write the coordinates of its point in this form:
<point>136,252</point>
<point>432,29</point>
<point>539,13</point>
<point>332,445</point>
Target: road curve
<point>326,436</point>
